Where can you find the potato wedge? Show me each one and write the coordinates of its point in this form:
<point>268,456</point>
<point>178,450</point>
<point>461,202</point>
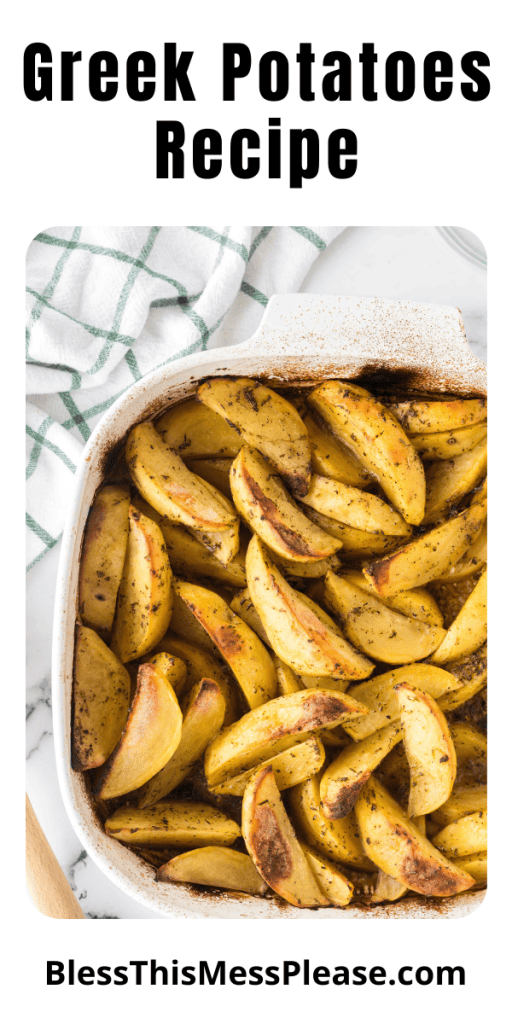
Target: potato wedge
<point>165,482</point>
<point>463,800</point>
<point>144,602</point>
<point>287,680</point>
<point>196,432</point>
<point>449,481</point>
<point>242,605</point>
<point>266,421</point>
<point>429,749</point>
<point>432,415</point>
<point>214,865</point>
<point>472,561</point>
<point>357,544</point>
<point>292,766</point>
<point>388,889</point>
<point>174,669</point>
<point>185,625</point>
<point>202,665</point>
<point>379,697</point>
<point>398,847</point>
<point>447,444</point>
<point>471,749</point>
<point>475,865</point>
<point>417,603</point>
<point>101,698</point>
<point>247,657</point>
<point>330,880</point>
<point>464,837</point>
<point>353,507</point>
<point>188,556</point>
<point>275,726</point>
<point>151,735</point>
<point>427,557</point>
<point>376,438</point>
<point>344,778</point>
<point>301,634</point>
<point>102,560</point>
<point>337,839</point>
<point>307,570</point>
<point>330,457</point>
<point>214,471</point>
<point>223,544</point>
<point>263,501</point>
<point>203,715</point>
<point>173,823</point>
<point>377,630</point>
<point>468,631</point>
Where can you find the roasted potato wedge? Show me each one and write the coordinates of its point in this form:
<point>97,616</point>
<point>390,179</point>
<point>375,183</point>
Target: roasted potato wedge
<point>273,845</point>
<point>307,570</point>
<point>196,432</point>
<point>263,501</point>
<point>475,865</point>
<point>273,727</point>
<point>432,415</point>
<point>214,865</point>
<point>463,837</point>
<point>174,669</point>
<point>101,698</point>
<point>357,544</point>
<point>388,889</point>
<point>103,555</point>
<point>427,557</point>
<point>471,750</point>
<point>202,665</point>
<point>398,847</point>
<point>447,444</point>
<point>203,715</point>
<point>337,839</point>
<point>266,421</point>
<point>215,471</point>
<point>242,605</point>
<point>173,823</point>
<point>429,749</point>
<point>417,603</point>
<point>301,634</point>
<point>377,630</point>
<point>330,880</point>
<point>379,697</point>
<point>330,457</point>
<point>344,778</point>
<point>144,602</point>
<point>449,481</point>
<point>150,737</point>
<point>185,625</point>
<point>353,507</point>
<point>472,561</point>
<point>376,438</point>
<point>292,766</point>
<point>244,652</point>
<point>463,800</point>
<point>468,631</point>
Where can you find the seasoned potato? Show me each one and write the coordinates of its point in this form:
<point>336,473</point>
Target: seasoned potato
<point>292,766</point>
<point>449,481</point>
<point>214,471</point>
<point>173,823</point>
<point>429,750</point>
<point>379,696</point>
<point>330,880</point>
<point>354,507</point>
<point>376,438</point>
<point>267,422</point>
<point>337,839</point>
<point>417,603</point>
<point>465,836</point>
<point>357,544</point>
<point>330,457</point>
<point>243,606</point>
<point>468,631</point>
<point>472,561</point>
<point>388,889</point>
<point>101,698</point>
<point>432,415</point>
<point>196,432</point>
<point>475,865</point>
<point>344,778</point>
<point>447,444</point>
<point>471,750</point>
<point>103,554</point>
<point>214,865</point>
<point>463,800</point>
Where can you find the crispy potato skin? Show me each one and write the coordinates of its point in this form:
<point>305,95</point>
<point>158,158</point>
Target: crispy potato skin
<point>103,554</point>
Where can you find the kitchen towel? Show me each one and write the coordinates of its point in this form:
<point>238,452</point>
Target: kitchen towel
<point>107,305</point>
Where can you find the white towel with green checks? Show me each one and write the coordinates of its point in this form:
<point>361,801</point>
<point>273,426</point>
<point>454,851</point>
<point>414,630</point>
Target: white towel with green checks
<point>107,305</point>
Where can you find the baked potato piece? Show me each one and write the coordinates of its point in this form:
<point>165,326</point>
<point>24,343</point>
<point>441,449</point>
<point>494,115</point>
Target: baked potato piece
<point>300,632</point>
<point>101,698</point>
<point>174,669</point>
<point>173,823</point>
<point>398,847</point>
<point>468,631</point>
<point>307,570</point>
<point>330,880</point>
<point>377,630</point>
<point>471,750</point>
<point>292,766</point>
<point>463,837</point>
<point>463,800</point>
<point>151,735</point>
<point>388,889</point>
<point>337,839</point>
<point>433,415</point>
<point>449,481</point>
<point>203,715</point>
<point>429,750</point>
<point>214,471</point>
<point>263,501</point>
<point>344,778</point>
<point>273,845</point>
<point>428,557</point>
<point>447,444</point>
<point>102,560</point>
<point>353,507</point>
<point>266,421</point>
<point>475,865</point>
<point>379,697</point>
<point>357,544</point>
<point>214,865</point>
<point>417,603</point>
<point>376,438</point>
<point>196,432</point>
<point>144,602</point>
<point>202,665</point>
<point>273,727</point>
<point>247,657</point>
<point>330,457</point>
<point>242,605</point>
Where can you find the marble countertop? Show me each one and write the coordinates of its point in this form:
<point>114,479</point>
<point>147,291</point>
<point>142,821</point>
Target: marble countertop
<point>401,263</point>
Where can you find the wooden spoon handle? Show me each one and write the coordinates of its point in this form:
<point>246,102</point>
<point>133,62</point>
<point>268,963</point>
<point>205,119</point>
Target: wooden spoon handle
<point>47,884</point>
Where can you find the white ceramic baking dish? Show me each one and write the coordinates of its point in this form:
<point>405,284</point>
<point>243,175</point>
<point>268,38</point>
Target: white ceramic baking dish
<point>302,338</point>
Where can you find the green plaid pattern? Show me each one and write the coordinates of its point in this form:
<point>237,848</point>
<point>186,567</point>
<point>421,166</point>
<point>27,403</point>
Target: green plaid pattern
<point>107,305</point>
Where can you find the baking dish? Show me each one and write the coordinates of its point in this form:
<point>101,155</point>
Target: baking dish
<point>302,338</point>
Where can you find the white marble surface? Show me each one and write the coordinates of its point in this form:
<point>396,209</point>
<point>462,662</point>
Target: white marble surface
<point>402,263</point>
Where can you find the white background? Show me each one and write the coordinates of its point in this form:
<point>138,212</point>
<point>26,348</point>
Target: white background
<point>419,163</point>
